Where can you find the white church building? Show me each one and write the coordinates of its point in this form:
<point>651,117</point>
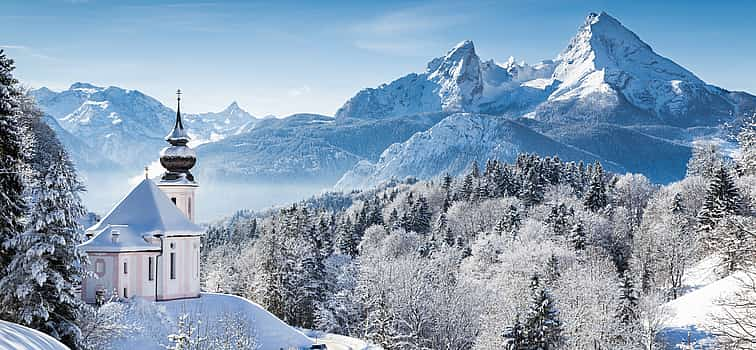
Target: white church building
<point>148,245</point>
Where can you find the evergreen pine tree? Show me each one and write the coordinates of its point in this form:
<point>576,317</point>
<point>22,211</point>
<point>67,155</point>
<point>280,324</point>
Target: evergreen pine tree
<point>543,330</point>
<point>532,189</point>
<point>439,228</point>
<point>12,203</point>
<point>345,241</point>
<point>514,336</point>
<point>628,300</point>
<point>475,169</point>
<point>446,183</point>
<point>394,221</point>
<point>596,198</point>
<point>678,208</point>
<point>722,199</point>
<point>468,187</point>
<point>560,218</point>
<point>577,236</point>
<point>42,277</point>
<point>553,273</point>
<point>311,289</point>
<point>421,216</point>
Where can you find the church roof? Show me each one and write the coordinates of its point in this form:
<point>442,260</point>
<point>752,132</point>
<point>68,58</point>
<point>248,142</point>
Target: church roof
<point>144,212</point>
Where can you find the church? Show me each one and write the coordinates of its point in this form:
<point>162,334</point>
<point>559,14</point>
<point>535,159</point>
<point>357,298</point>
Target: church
<point>148,245</point>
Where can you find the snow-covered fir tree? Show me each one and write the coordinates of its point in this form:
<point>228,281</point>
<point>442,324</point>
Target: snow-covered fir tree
<point>596,197</point>
<point>12,163</point>
<point>44,276</point>
<point>722,199</point>
<point>542,328</point>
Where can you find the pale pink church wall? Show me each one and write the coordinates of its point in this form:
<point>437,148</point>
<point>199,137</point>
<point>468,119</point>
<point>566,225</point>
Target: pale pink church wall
<point>186,284</point>
<point>107,279</point>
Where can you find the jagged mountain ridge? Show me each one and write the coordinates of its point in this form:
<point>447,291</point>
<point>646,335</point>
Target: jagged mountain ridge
<point>127,127</point>
<point>608,94</point>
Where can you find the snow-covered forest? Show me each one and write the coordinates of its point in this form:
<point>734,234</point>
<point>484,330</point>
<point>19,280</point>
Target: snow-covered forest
<point>539,254</point>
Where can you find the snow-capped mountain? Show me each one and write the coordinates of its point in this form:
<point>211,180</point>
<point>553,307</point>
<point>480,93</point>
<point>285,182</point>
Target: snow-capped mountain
<point>127,126</point>
<point>611,68</point>
<point>453,82</point>
<point>215,126</point>
<point>607,95</point>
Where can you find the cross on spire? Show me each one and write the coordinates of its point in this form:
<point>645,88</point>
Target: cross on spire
<point>178,136</point>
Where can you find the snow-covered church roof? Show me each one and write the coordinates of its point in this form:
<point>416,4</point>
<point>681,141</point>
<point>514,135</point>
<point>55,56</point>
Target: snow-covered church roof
<point>136,219</point>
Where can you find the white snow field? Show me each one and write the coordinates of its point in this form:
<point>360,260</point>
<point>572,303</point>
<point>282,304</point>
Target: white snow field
<point>155,321</point>
<point>340,342</point>
<point>159,319</point>
<point>690,319</point>
<point>17,337</point>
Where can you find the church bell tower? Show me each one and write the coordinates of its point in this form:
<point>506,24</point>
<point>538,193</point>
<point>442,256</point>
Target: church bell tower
<point>177,182</point>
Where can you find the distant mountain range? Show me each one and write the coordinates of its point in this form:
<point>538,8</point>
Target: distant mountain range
<point>126,128</point>
<point>607,96</point>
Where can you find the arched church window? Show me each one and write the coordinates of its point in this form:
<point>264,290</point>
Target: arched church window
<point>100,267</point>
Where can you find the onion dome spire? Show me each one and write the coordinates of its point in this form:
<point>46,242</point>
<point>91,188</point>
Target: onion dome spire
<point>178,135</point>
<point>178,158</point>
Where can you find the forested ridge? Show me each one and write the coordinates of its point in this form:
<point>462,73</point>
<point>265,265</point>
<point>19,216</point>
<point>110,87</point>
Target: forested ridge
<point>538,254</point>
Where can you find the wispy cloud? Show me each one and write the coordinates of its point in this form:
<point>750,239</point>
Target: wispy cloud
<point>26,50</point>
<point>409,30</point>
<point>296,92</point>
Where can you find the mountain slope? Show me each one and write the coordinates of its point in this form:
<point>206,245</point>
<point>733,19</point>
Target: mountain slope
<point>607,95</point>
<point>304,147</point>
<point>84,156</point>
<point>452,144</point>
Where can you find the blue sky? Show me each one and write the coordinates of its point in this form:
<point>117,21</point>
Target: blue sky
<point>286,57</point>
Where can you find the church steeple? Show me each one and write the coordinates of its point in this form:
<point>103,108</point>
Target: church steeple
<point>178,135</point>
<point>178,158</point>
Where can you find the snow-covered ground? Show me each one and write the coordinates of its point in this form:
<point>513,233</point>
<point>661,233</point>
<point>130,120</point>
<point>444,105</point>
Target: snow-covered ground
<point>217,313</point>
<point>340,342</point>
<point>158,320</point>
<point>691,313</point>
<point>17,337</point>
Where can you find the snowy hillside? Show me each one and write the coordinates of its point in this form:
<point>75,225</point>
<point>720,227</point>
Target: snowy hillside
<point>17,337</point>
<point>213,310</point>
<point>690,316</point>
<point>214,317</point>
